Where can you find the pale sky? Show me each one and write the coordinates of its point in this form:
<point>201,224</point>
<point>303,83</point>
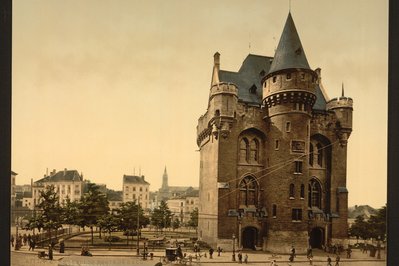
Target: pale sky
<point>108,87</point>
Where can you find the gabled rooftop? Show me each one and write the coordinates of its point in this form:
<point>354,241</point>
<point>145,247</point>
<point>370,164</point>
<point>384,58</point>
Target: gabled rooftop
<point>134,179</point>
<point>62,176</point>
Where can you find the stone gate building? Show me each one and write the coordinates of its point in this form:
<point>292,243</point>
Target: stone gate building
<point>273,152</point>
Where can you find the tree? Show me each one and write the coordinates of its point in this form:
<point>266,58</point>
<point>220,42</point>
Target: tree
<point>377,224</point>
<point>50,211</point>
<point>175,224</point>
<point>71,214</point>
<point>193,222</point>
<point>93,205</point>
<point>161,217</point>
<point>359,228</point>
<point>127,217</point>
<point>108,223</point>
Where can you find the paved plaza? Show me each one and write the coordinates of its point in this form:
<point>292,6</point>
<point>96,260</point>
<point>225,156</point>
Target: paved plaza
<point>127,257</point>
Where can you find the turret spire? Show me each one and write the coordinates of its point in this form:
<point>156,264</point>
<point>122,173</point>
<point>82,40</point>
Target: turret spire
<point>289,53</point>
<point>216,68</point>
<point>343,92</point>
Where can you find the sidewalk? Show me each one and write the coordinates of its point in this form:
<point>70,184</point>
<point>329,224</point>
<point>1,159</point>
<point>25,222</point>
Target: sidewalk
<point>129,256</point>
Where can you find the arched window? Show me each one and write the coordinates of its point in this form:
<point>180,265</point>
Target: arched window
<point>248,191</point>
<point>255,150</point>
<point>311,154</point>
<point>244,150</point>
<point>314,194</point>
<point>319,154</point>
<point>292,191</point>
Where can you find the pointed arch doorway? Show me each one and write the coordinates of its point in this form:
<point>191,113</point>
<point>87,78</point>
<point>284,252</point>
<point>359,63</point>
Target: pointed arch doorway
<point>249,237</point>
<point>316,237</point>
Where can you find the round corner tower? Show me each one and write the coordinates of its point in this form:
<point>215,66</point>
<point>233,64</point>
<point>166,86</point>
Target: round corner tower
<point>289,93</point>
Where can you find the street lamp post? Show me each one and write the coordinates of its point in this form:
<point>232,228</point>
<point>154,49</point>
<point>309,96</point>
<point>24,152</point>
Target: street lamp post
<point>138,226</point>
<point>144,250</point>
<point>234,248</point>
<point>378,248</point>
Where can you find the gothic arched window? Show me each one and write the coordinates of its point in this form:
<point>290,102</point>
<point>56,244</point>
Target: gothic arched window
<point>319,154</point>
<point>255,150</point>
<point>311,154</point>
<point>244,150</point>
<point>314,194</point>
<point>248,191</point>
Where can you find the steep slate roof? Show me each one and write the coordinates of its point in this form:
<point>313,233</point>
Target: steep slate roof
<point>321,102</point>
<point>61,176</point>
<point>249,75</point>
<point>253,69</point>
<point>134,179</point>
<point>289,53</point>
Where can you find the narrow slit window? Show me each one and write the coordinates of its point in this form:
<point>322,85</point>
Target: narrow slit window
<point>288,127</point>
<point>277,145</point>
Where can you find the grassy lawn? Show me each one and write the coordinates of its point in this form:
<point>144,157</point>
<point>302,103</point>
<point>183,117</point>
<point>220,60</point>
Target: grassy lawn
<point>170,236</point>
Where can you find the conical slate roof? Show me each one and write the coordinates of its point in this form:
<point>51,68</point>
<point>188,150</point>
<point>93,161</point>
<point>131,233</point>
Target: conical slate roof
<point>289,53</point>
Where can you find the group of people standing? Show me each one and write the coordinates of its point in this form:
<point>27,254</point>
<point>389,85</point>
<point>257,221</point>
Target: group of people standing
<point>23,240</point>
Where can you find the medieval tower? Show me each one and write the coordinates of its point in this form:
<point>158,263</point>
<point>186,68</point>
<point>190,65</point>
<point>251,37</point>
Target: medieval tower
<point>273,154</point>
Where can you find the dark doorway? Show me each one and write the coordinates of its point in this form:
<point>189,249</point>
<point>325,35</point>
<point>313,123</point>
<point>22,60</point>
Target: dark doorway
<point>249,237</point>
<point>316,237</point>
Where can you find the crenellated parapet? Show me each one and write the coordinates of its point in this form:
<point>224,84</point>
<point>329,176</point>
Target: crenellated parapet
<point>223,88</point>
<point>340,102</point>
<point>343,109</point>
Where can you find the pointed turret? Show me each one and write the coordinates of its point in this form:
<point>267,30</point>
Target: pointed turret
<point>289,53</point>
<point>216,68</point>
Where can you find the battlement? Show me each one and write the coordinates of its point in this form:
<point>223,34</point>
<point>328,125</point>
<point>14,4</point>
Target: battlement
<point>223,88</point>
<point>340,102</point>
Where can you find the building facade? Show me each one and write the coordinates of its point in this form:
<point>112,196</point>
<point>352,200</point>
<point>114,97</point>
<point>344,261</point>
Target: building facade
<point>183,205</point>
<point>136,189</point>
<point>68,184</point>
<point>273,154</point>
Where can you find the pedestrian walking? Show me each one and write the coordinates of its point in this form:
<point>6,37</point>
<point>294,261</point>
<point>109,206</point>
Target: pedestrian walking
<point>337,259</point>
<point>349,252</point>
<point>211,253</point>
<point>25,239</point>
<point>12,240</point>
<point>310,260</point>
<point>239,257</point>
<point>328,261</point>
<point>219,251</point>
<point>246,258</point>
<point>50,252</point>
<point>62,247</point>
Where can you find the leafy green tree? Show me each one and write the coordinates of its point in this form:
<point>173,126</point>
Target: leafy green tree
<point>359,228</point>
<point>377,224</point>
<point>193,222</point>
<point>127,217</point>
<point>161,217</point>
<point>109,223</point>
<point>93,204</point>
<point>175,224</point>
<point>71,213</point>
<point>49,211</point>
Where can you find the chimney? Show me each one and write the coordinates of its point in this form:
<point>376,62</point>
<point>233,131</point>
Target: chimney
<point>65,170</point>
<point>143,177</point>
<point>53,173</point>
